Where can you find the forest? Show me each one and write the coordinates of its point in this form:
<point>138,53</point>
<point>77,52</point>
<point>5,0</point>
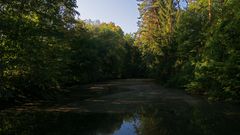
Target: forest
<point>193,45</point>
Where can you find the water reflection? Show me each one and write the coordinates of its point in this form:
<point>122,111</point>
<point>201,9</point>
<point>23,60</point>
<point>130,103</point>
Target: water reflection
<point>189,120</point>
<point>129,126</point>
<point>171,119</point>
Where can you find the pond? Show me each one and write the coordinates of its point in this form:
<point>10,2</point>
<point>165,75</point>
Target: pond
<point>149,120</point>
<point>166,116</point>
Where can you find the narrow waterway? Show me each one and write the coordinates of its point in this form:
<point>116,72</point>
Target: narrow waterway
<point>122,107</point>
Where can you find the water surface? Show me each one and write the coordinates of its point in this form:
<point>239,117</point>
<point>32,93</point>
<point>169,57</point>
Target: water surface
<point>123,107</point>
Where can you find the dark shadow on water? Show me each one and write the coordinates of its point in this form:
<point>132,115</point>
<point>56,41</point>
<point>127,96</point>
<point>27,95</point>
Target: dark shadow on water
<point>171,119</point>
<point>122,107</point>
<point>58,123</point>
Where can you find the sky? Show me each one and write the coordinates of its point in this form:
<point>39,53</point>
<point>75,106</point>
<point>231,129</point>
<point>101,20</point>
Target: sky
<point>123,13</point>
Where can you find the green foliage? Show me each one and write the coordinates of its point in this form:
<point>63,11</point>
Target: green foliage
<point>133,65</point>
<point>44,48</point>
<point>97,53</point>
<point>217,72</point>
<point>30,44</point>
<point>200,53</point>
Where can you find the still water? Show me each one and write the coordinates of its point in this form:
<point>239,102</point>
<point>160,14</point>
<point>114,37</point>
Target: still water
<point>149,120</point>
<point>134,107</point>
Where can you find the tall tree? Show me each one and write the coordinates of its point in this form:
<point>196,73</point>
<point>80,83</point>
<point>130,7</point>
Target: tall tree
<point>155,36</point>
<point>210,10</point>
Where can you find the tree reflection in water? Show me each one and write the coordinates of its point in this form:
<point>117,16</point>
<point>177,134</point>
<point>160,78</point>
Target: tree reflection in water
<point>186,120</point>
<point>149,120</point>
<point>42,123</point>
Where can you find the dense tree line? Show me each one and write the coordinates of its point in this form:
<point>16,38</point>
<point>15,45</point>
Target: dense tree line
<point>192,44</point>
<point>31,33</point>
<point>44,48</point>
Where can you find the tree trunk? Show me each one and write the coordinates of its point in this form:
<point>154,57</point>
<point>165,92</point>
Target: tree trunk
<point>210,10</point>
<point>1,69</point>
